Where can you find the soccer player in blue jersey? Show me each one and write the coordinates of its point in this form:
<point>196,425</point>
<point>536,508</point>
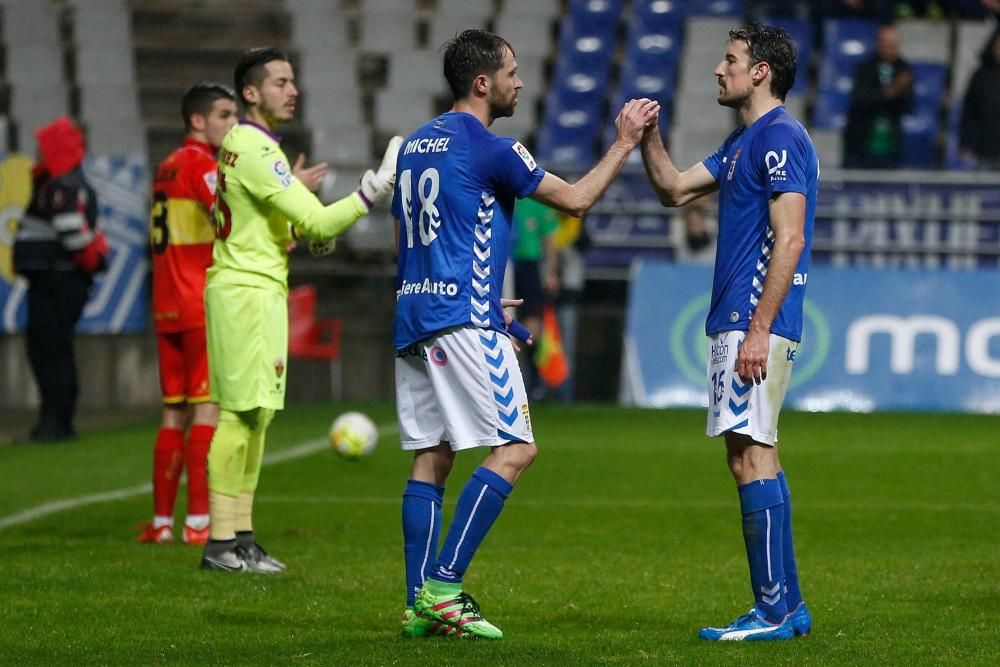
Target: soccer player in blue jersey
<point>458,385</point>
<point>766,173</point>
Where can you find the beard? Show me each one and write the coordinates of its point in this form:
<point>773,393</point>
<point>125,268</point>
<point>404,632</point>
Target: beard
<point>502,108</point>
<point>731,99</point>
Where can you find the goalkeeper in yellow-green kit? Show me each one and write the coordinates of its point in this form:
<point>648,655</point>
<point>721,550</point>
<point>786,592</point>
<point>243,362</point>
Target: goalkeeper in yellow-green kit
<point>262,205</point>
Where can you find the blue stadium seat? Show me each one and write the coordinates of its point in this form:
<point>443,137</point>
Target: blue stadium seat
<point>567,137</point>
<point>831,110</point>
<point>715,8</point>
<point>929,85</point>
<point>658,16</point>
<point>594,17</point>
<point>846,43</point>
<point>920,132</point>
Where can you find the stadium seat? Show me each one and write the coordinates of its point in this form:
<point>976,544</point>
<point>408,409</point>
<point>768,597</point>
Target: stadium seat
<point>333,103</point>
<point>416,70</point>
<point>313,338</point>
<point>715,8</point>
<point>848,41</point>
<point>929,87</point>
<point>529,35</point>
<point>540,9</point>
<point>594,17</point>
<point>401,112</point>
<point>341,143</point>
<point>831,110</point>
<point>658,16</point>
<point>387,32</point>
<point>920,132</point>
<point>567,136</point>
<point>444,26</point>
<point>926,41</point>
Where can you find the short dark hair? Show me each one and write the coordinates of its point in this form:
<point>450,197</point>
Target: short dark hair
<point>200,97</point>
<point>469,54</point>
<point>250,70</point>
<point>773,45</point>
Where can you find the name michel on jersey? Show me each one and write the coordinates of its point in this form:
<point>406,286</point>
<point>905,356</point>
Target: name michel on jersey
<point>437,145</point>
<point>427,286</point>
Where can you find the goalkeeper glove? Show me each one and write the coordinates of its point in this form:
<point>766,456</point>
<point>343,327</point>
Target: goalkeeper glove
<point>376,185</point>
<point>322,248</point>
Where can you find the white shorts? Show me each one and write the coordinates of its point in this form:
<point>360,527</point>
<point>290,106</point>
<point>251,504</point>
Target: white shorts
<point>750,409</point>
<point>464,387</point>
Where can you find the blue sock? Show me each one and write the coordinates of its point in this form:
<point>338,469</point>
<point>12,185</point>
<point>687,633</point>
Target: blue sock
<point>421,530</point>
<point>792,594</point>
<point>478,507</point>
<point>763,516</point>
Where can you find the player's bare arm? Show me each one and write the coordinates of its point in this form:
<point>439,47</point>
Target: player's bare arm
<point>788,215</point>
<point>672,186</point>
<point>576,199</point>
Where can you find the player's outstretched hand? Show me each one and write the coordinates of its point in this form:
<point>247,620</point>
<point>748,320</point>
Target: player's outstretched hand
<point>635,117</point>
<point>377,185</point>
<point>311,177</point>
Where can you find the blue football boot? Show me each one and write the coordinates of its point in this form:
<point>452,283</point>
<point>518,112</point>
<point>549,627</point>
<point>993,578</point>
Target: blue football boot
<point>800,620</point>
<point>751,626</point>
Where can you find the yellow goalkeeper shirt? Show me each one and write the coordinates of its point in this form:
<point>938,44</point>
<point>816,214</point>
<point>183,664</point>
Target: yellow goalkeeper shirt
<point>257,199</point>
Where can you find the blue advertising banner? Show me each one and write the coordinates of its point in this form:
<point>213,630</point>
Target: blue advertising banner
<point>119,300</point>
<point>873,340</point>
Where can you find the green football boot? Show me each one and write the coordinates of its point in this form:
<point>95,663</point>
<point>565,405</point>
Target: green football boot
<point>415,626</point>
<point>449,604</point>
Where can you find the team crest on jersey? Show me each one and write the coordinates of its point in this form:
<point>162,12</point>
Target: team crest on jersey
<point>279,367</point>
<point>211,179</point>
<point>281,171</point>
<point>525,155</point>
<point>732,165</point>
<point>438,356</point>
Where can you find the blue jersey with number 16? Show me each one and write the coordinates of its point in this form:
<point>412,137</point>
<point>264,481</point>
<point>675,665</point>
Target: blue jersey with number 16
<point>456,184</point>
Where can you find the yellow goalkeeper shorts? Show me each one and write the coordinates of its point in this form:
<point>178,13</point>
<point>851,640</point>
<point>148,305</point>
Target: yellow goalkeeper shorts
<point>247,332</point>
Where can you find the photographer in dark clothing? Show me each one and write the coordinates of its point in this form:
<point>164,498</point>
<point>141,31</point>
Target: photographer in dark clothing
<point>57,249</point>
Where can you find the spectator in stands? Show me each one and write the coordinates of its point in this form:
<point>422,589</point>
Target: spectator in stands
<point>698,243</point>
<point>979,136</point>
<point>58,250</point>
<point>536,274</point>
<point>882,94</point>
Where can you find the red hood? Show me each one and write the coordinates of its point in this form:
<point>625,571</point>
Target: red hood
<point>60,146</point>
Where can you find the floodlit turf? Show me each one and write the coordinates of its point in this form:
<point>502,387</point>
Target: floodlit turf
<point>617,546</point>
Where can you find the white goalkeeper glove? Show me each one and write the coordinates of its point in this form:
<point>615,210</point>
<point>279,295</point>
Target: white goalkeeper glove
<point>377,185</point>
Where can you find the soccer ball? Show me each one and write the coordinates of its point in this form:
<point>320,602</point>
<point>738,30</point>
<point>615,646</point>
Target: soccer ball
<point>353,435</point>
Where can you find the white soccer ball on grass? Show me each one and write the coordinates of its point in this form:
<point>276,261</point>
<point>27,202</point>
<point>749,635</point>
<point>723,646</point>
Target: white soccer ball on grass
<point>353,435</point>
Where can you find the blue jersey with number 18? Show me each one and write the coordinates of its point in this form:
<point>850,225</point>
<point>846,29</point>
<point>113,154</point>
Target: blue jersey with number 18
<point>456,184</point>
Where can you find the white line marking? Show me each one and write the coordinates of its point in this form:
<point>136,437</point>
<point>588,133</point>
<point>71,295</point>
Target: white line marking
<point>45,509</point>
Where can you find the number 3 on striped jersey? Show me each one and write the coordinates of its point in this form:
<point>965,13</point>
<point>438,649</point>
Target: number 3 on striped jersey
<point>428,217</point>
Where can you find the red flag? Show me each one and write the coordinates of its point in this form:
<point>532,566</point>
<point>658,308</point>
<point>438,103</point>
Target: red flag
<point>550,358</point>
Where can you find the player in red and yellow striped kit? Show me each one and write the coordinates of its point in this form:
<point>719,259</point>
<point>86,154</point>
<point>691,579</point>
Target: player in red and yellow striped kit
<point>182,233</point>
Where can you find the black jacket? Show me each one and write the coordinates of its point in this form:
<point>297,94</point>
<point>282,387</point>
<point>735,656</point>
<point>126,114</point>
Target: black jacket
<point>868,105</point>
<point>980,129</point>
<point>59,224</point>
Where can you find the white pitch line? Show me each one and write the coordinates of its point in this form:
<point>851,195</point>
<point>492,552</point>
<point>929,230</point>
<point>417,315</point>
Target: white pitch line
<point>45,509</point>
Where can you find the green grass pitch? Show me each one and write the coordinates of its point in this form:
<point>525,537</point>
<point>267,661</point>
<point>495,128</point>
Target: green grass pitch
<point>620,542</point>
